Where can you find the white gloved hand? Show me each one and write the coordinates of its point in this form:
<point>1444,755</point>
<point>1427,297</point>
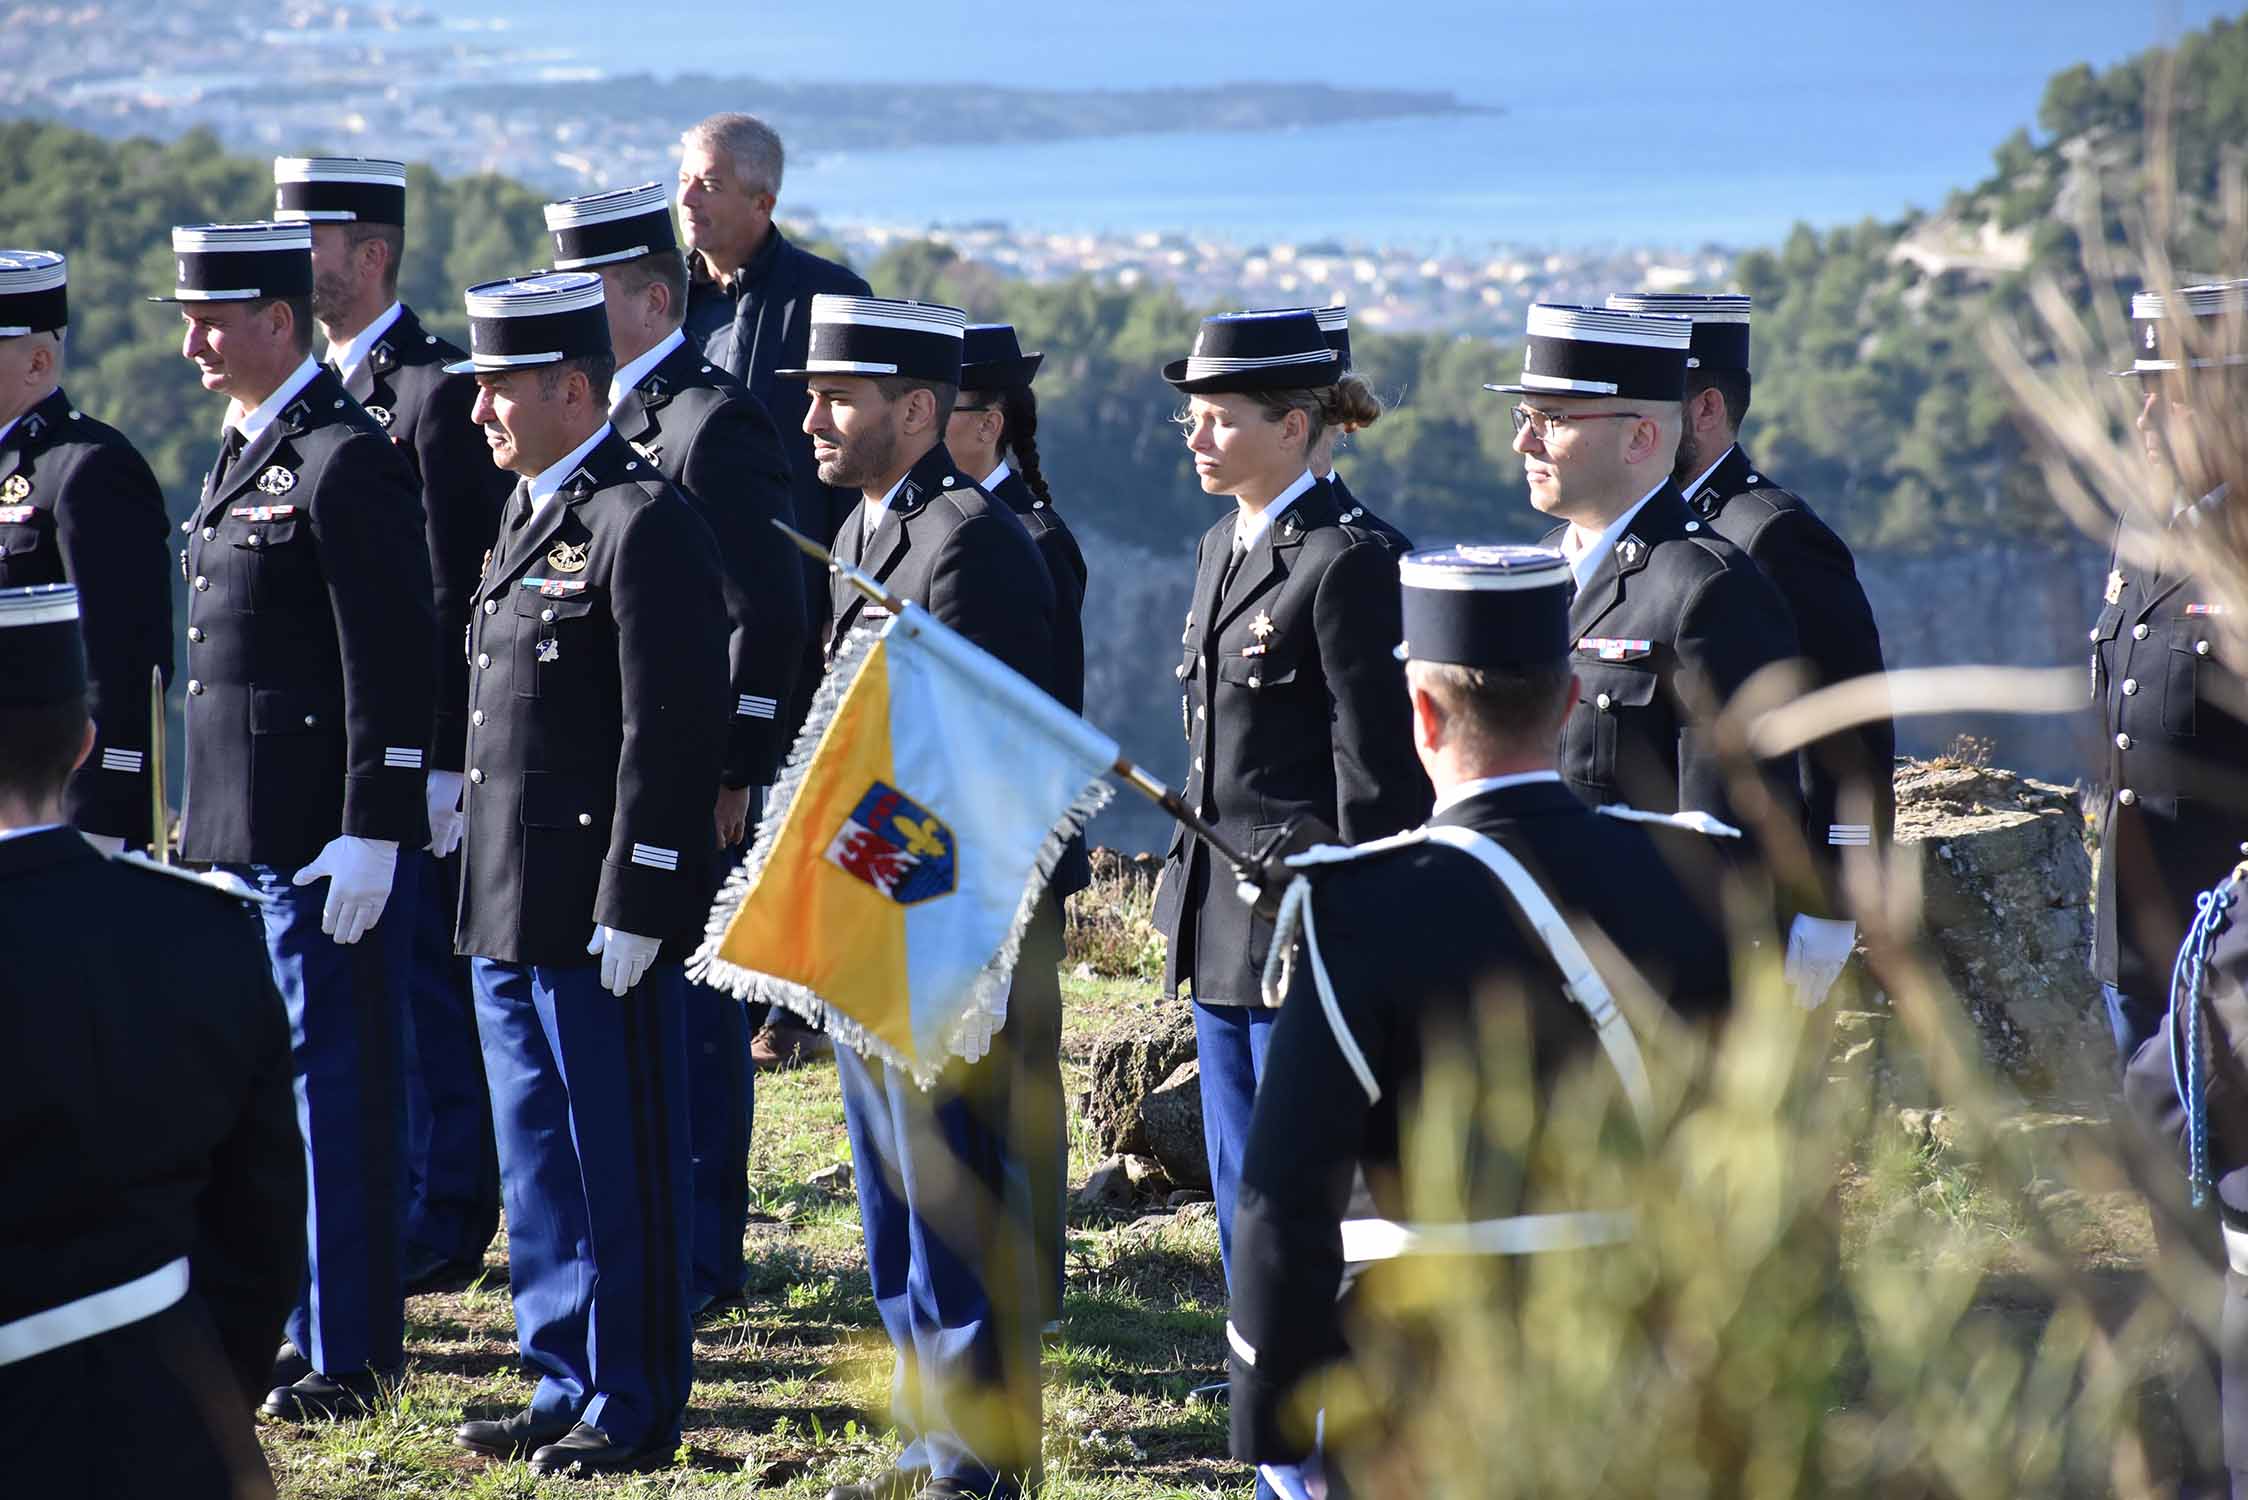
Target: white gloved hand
<point>625,957</point>
<point>976,1035</point>
<point>445,816</point>
<point>358,872</point>
<point>108,843</point>
<point>1817,948</point>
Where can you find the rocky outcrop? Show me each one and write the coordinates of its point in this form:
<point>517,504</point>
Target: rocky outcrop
<point>2005,883</point>
<point>1145,1097</point>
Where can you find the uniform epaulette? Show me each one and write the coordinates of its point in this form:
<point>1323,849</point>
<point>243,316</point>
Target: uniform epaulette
<point>226,887</point>
<point>1693,821</point>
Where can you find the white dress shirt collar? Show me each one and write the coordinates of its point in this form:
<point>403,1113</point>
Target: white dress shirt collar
<point>1584,563</point>
<point>872,511</point>
<point>550,479</point>
<point>627,379</point>
<point>1248,525</point>
<point>347,358</point>
<point>255,422</point>
<point>989,484</point>
<point>1692,489</point>
<point>1482,784</point>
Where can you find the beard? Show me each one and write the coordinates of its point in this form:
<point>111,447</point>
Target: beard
<point>860,460</point>
<point>1691,460</point>
<point>331,296</point>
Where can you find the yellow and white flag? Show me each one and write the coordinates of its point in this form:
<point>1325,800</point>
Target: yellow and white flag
<point>906,845</point>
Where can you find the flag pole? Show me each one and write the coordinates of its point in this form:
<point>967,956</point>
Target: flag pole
<point>1125,770</point>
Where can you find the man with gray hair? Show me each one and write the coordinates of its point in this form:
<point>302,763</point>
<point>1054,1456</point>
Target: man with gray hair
<point>749,310</point>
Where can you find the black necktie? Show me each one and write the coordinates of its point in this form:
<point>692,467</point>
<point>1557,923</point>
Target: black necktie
<point>230,449</point>
<point>1232,566</point>
<point>519,508</point>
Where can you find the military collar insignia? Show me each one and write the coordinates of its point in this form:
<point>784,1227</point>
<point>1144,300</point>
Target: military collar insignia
<point>380,414</point>
<point>32,425</point>
<point>1291,526</point>
<point>579,484</point>
<point>1705,502</point>
<point>1630,552</point>
<point>654,391</point>
<point>2114,585</point>
<point>297,413</point>
<point>14,488</point>
<point>566,558</point>
<point>275,480</point>
<point>652,455</point>
<point>381,357</point>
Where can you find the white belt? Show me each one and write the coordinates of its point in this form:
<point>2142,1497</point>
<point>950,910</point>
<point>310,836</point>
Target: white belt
<point>1525,1234</point>
<point>2236,1248</point>
<point>93,1315</point>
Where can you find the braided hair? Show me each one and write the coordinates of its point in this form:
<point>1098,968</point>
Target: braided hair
<point>1018,409</point>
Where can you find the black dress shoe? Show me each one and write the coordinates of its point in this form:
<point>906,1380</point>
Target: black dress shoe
<point>289,1366</point>
<point>895,1484</point>
<point>325,1398</point>
<point>518,1437</point>
<point>443,1275</point>
<point>587,1450</point>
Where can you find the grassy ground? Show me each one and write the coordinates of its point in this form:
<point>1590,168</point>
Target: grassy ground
<point>789,1389</point>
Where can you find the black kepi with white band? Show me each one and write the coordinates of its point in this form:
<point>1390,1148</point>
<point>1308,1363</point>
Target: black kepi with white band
<point>42,655</point>
<point>992,359</point>
<point>1497,607</point>
<point>241,262</point>
<point>1590,351</point>
<point>339,189</point>
<point>2197,327</point>
<point>1280,350</point>
<point>878,336</point>
<point>1720,322</point>
<point>34,292</point>
<point>1334,324</point>
<point>601,229</point>
<point>540,319</point>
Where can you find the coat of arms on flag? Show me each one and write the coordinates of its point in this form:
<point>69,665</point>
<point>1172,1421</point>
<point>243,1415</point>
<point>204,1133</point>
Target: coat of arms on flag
<point>895,845</point>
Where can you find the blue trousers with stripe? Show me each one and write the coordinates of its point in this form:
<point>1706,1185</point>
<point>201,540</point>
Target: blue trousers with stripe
<point>721,1108</point>
<point>589,1107</point>
<point>1231,1042</point>
<point>948,1209</point>
<point>452,1168</point>
<point>347,1034</point>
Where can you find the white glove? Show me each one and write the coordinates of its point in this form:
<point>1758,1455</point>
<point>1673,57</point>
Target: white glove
<point>445,816</point>
<point>1817,948</point>
<point>625,956</point>
<point>358,872</point>
<point>976,1035</point>
<point>108,843</point>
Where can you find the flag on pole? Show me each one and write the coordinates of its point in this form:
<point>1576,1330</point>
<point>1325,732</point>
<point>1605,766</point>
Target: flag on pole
<point>903,851</point>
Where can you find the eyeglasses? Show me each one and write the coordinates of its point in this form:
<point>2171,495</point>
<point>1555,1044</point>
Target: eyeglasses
<point>1546,423</point>
<point>959,410</point>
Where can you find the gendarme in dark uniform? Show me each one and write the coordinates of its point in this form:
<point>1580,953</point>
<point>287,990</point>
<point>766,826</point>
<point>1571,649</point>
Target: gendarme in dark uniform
<point>709,437</point>
<point>310,665</point>
<point>1292,705</point>
<point>995,377</point>
<point>1848,776</point>
<point>156,1184</point>
<point>1425,952</point>
<point>950,1272</point>
<point>2175,809</point>
<point>79,505</point>
<point>597,723</point>
<point>395,368</point>
<point>1669,619</point>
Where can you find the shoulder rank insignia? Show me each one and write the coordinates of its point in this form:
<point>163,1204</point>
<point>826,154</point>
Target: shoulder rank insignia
<point>380,414</point>
<point>1630,550</point>
<point>276,480</point>
<point>17,515</point>
<point>566,558</point>
<point>15,487</point>
<point>1261,626</point>
<point>1608,649</point>
<point>261,512</point>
